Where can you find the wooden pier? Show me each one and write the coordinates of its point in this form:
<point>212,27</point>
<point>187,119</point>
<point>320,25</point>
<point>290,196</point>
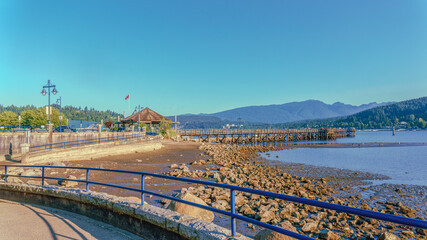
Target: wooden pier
<point>265,135</point>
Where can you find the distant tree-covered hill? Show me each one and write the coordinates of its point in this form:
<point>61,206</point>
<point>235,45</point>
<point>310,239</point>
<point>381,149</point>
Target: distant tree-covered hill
<point>89,114</point>
<point>406,114</point>
<point>69,112</point>
<point>204,121</point>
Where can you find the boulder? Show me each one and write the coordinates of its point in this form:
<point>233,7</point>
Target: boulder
<point>68,183</point>
<point>246,210</point>
<point>328,235</point>
<point>220,204</point>
<point>388,236</point>
<point>266,216</point>
<point>32,172</point>
<point>15,171</point>
<point>407,234</point>
<point>189,210</point>
<point>183,166</point>
<point>310,227</point>
<point>14,180</point>
<point>240,200</point>
<point>287,211</point>
<point>173,166</point>
<point>268,234</point>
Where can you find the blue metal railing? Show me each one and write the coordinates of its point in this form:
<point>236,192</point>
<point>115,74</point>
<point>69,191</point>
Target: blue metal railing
<point>232,213</point>
<point>84,142</point>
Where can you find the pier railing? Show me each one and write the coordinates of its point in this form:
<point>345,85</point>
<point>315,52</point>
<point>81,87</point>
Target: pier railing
<point>188,132</point>
<point>85,142</point>
<point>265,135</point>
<point>232,213</point>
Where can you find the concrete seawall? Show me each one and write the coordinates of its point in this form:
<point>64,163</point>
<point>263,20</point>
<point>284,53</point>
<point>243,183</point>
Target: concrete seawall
<point>18,138</point>
<point>88,152</point>
<point>147,221</point>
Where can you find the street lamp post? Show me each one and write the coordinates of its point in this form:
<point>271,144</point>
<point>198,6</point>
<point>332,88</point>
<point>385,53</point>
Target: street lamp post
<point>49,86</point>
<point>59,101</point>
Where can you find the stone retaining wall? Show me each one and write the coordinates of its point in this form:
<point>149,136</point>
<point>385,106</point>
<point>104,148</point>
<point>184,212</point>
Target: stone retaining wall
<point>143,144</point>
<point>147,221</point>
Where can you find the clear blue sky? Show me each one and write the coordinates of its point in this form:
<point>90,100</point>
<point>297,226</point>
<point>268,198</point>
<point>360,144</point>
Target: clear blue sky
<point>206,56</point>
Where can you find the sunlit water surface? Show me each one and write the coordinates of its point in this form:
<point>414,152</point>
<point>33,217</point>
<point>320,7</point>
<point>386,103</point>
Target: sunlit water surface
<point>405,165</point>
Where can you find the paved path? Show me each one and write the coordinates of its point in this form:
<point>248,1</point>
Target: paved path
<point>28,221</point>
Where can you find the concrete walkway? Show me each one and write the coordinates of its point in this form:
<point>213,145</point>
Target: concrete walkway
<point>28,221</point>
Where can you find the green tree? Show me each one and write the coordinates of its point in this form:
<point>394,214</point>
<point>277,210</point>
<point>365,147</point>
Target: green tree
<point>34,118</point>
<point>54,118</point>
<point>422,123</point>
<point>8,118</point>
<point>142,125</point>
<point>164,126</point>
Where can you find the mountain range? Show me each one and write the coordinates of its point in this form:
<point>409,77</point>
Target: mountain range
<point>409,114</point>
<point>293,111</point>
<point>272,114</point>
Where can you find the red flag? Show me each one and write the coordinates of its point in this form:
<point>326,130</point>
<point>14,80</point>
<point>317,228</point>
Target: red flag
<point>126,98</point>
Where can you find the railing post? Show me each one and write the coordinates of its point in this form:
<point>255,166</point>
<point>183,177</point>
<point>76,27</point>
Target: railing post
<point>142,188</point>
<point>42,176</point>
<point>5,173</point>
<point>233,212</point>
<point>87,179</point>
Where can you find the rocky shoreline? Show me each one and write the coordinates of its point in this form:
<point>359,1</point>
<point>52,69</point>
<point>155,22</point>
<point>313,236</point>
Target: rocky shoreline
<point>242,166</point>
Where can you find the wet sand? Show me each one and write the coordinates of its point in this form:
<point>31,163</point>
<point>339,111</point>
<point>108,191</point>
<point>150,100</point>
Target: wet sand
<point>157,161</point>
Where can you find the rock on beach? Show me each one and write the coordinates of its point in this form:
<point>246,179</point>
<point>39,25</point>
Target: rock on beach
<point>189,210</point>
<point>268,234</point>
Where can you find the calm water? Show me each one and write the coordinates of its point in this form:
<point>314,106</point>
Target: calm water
<point>405,165</point>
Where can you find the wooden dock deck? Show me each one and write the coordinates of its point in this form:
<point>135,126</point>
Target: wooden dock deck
<point>265,135</point>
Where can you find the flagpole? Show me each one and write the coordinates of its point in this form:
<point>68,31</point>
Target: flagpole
<point>129,105</point>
